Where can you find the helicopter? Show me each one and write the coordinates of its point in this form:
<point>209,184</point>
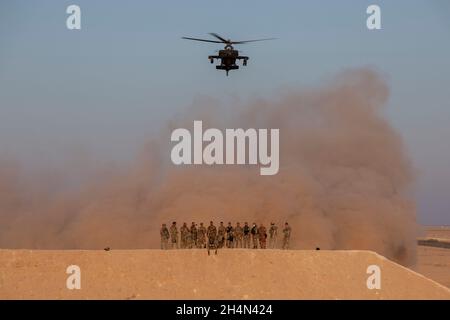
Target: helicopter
<point>228,55</point>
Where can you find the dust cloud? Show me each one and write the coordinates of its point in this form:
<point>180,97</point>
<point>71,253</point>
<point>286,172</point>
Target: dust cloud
<point>345,181</point>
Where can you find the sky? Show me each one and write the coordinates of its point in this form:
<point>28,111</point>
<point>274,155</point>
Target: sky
<point>109,85</point>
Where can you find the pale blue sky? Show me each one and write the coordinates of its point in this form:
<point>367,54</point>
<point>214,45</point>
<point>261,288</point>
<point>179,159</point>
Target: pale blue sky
<point>109,85</point>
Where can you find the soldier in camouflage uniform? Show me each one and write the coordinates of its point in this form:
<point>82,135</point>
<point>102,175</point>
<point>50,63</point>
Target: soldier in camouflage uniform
<point>193,230</point>
<point>201,236</point>
<point>254,232</point>
<point>238,232</point>
<point>273,234</point>
<point>262,233</point>
<point>165,236</point>
<point>188,239</point>
<point>184,231</point>
<point>230,235</point>
<point>174,235</point>
<point>212,238</point>
<point>221,235</point>
<point>246,231</point>
<point>286,235</point>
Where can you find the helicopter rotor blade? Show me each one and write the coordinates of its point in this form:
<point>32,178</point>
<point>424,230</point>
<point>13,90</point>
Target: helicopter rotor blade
<point>204,40</point>
<point>228,42</point>
<point>247,41</point>
<point>219,37</point>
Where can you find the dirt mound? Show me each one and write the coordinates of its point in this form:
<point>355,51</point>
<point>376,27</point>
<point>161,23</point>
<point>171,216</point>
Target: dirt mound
<point>192,274</point>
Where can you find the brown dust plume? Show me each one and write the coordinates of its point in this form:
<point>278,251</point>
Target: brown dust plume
<point>344,181</point>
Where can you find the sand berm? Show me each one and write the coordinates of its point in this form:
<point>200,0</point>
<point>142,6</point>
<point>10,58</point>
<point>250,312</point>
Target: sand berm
<point>192,274</point>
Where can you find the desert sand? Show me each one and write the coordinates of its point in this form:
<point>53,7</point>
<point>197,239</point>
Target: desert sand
<point>232,274</point>
<point>434,262</point>
<point>192,274</point>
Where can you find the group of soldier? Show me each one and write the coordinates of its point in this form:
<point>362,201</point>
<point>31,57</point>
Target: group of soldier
<point>224,236</point>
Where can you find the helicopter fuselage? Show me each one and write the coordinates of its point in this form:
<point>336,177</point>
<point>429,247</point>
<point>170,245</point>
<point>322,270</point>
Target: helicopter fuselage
<point>228,57</point>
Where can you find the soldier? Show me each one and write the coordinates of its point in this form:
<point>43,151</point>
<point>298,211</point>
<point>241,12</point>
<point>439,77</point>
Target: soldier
<point>212,237</point>
<point>201,235</point>
<point>193,243</point>
<point>286,235</point>
<point>184,230</point>
<point>188,244</point>
<point>246,231</point>
<point>165,236</point>
<point>230,235</point>
<point>238,236</point>
<point>221,234</point>
<point>262,236</point>
<point>174,235</point>
<point>273,234</point>
<point>254,232</point>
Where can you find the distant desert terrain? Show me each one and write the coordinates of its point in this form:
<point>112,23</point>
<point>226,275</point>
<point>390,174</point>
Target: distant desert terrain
<point>192,274</point>
<point>439,232</point>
